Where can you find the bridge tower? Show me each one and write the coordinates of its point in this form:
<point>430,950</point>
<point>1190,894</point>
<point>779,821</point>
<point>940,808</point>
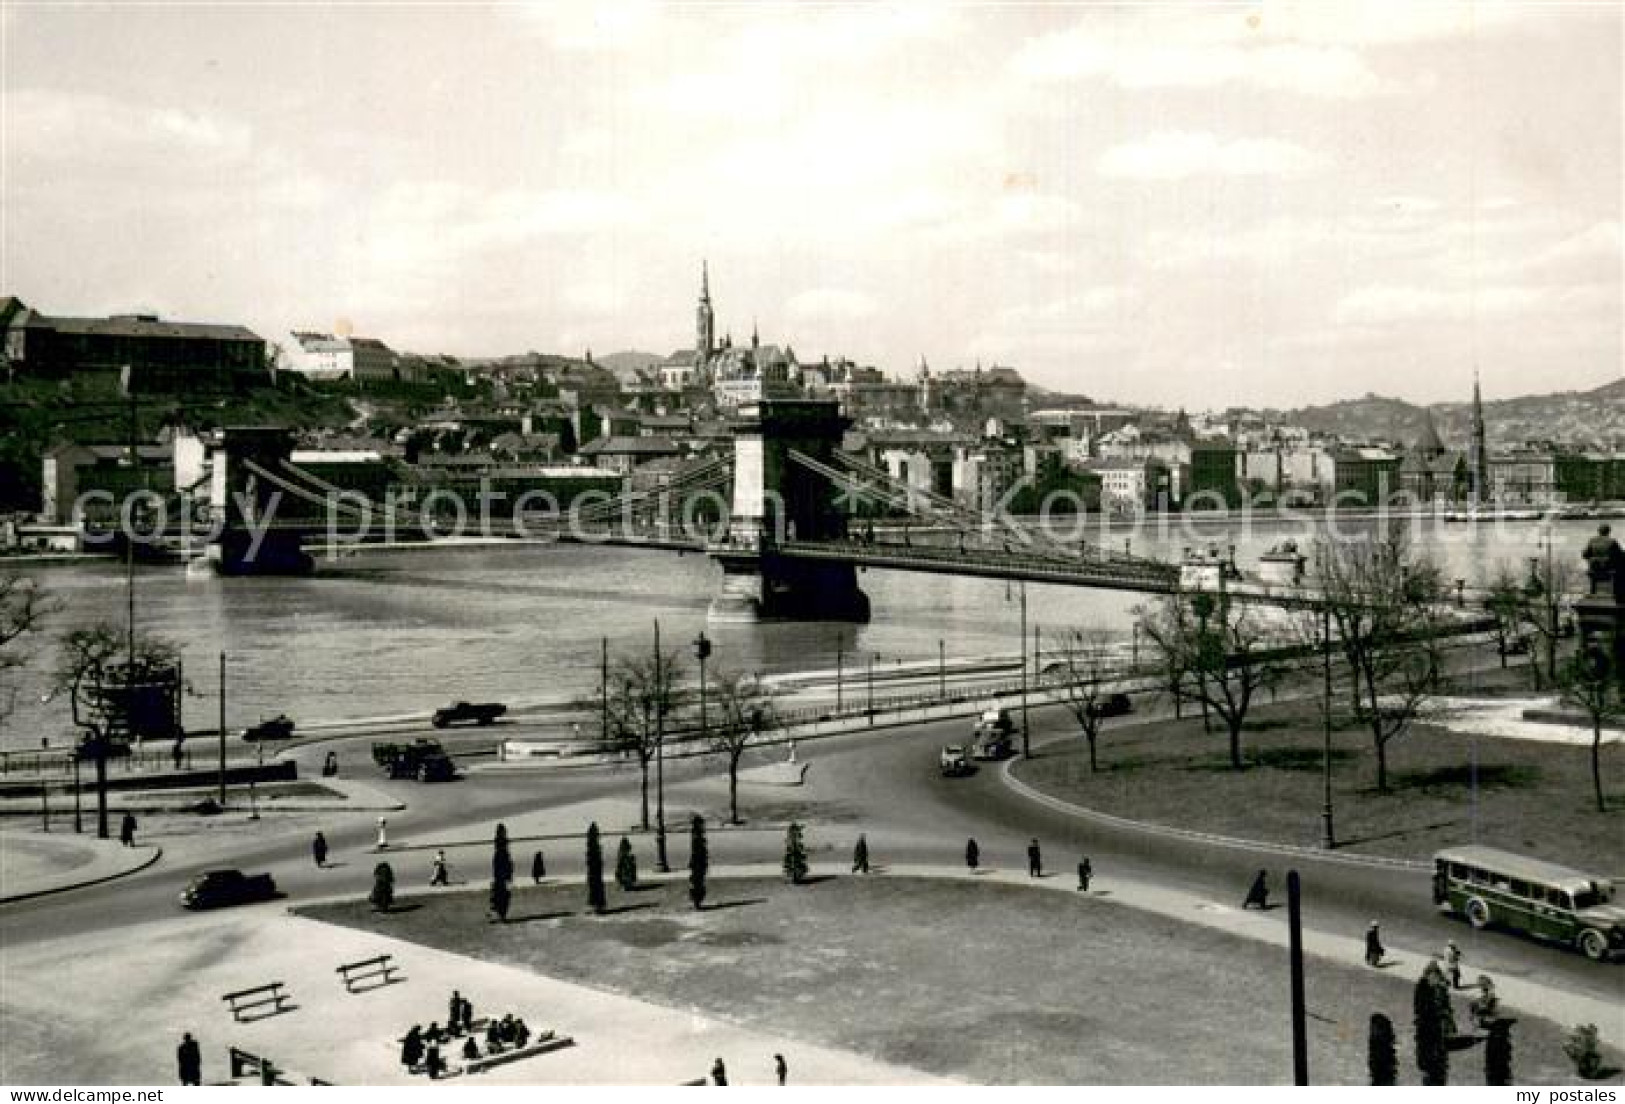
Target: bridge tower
<point>775,500</point>
<point>248,508</point>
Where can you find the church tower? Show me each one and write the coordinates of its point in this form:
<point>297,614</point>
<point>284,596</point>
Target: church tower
<point>704,322</point>
<point>1478,460</point>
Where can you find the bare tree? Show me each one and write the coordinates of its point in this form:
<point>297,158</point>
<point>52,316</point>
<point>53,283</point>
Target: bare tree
<point>639,702</point>
<point>99,676</point>
<point>1384,604</point>
<point>1085,667</point>
<point>1590,682</point>
<point>23,607</point>
<point>1545,592</point>
<point>1227,648</point>
<point>1505,602</point>
<point>744,713</point>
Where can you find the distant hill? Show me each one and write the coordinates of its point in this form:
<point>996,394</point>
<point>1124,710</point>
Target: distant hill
<point>1595,418</point>
<point>628,360</point>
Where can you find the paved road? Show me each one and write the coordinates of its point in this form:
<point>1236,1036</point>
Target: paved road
<point>882,782</point>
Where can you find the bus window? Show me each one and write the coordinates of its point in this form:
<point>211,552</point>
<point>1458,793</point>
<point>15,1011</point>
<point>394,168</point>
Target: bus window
<point>1519,888</point>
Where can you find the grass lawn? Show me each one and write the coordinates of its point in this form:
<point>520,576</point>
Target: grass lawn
<point>1531,797</point>
<point>990,983</point>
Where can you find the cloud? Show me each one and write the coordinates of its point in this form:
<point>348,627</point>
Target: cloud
<point>1382,304</point>
<point>597,27</point>
<point>830,304</point>
<point>1289,67</point>
<point>1175,155</point>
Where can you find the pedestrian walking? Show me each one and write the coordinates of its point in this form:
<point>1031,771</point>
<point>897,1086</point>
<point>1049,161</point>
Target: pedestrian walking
<point>318,850</point>
<point>178,753</point>
<point>719,1073</point>
<point>1258,894</point>
<point>189,1059</point>
<point>1452,964</point>
<point>1085,872</point>
<point>440,873</point>
<point>973,854</point>
<point>468,1014</point>
<point>780,1069</point>
<point>1373,945</point>
<point>860,855</point>
<point>383,833</point>
<point>1035,860</point>
<point>538,868</point>
<point>126,830</point>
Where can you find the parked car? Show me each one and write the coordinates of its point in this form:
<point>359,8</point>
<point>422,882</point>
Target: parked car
<point>277,728</point>
<point>480,713</point>
<point>953,762</point>
<point>215,888</point>
<point>994,735</point>
<point>1113,705</point>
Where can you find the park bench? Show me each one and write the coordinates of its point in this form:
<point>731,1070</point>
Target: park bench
<point>539,1044</point>
<point>264,1072</point>
<point>379,969</point>
<point>268,994</point>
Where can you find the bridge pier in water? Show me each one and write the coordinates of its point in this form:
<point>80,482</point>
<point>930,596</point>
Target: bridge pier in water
<point>776,499</point>
<point>246,504</point>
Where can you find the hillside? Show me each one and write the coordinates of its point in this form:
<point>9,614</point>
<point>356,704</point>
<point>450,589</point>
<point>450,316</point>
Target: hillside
<point>1595,418</point>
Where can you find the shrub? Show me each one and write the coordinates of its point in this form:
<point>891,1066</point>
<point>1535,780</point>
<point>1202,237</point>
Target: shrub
<point>1381,1059</point>
<point>626,866</point>
<point>596,898</point>
<point>1498,1054</point>
<point>1435,1025</point>
<point>383,887</point>
<point>795,855</point>
<point>1584,1050</point>
<point>501,860</point>
<point>699,860</point>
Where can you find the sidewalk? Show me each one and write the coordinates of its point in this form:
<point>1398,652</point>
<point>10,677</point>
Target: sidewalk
<point>36,863</point>
<point>177,970</point>
<point>351,796</point>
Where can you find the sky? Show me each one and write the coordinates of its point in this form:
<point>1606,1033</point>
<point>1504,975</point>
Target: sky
<point>1271,204</point>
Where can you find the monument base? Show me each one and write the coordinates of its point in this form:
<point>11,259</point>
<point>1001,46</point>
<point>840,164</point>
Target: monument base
<point>771,588</point>
<point>1602,621</point>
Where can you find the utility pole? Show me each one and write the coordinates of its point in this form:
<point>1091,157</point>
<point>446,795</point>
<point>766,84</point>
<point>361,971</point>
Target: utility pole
<point>222,730</point>
<point>840,659</point>
<point>1328,838</point>
<point>660,757</point>
<point>1026,745</point>
<point>1300,1041</point>
<point>603,692</point>
<point>871,680</point>
<point>942,669</point>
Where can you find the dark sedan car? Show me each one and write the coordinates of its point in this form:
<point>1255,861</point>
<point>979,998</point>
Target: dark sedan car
<point>1113,705</point>
<point>478,712</point>
<point>216,888</point>
<point>277,728</point>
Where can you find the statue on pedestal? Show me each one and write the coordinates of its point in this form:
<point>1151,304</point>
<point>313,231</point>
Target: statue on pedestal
<point>1605,564</point>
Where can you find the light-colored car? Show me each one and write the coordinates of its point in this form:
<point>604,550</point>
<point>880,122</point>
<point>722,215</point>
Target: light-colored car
<point>953,762</point>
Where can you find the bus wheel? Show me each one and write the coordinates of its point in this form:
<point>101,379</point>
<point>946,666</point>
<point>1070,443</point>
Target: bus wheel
<point>1593,944</point>
<point>1478,913</point>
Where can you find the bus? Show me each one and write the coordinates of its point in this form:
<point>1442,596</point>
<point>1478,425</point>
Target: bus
<point>1537,898</point>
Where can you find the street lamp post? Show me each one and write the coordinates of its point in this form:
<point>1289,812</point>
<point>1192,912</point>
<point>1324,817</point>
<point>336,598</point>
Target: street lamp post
<point>840,662</point>
<point>870,679</point>
<point>1328,838</point>
<point>1026,745</point>
<point>660,757</point>
<point>222,796</point>
<point>942,669</point>
<point>253,779</point>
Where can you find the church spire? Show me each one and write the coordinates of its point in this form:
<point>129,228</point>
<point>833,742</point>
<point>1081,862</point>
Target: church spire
<point>705,281</point>
<point>1478,460</point>
<point>704,321</point>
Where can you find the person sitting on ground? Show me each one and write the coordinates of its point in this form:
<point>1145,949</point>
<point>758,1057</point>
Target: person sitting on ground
<point>493,1036</point>
<point>509,1031</point>
<point>434,1034</point>
<point>521,1033</point>
<point>1258,894</point>
<point>435,1064</point>
<point>412,1048</point>
<point>471,1050</point>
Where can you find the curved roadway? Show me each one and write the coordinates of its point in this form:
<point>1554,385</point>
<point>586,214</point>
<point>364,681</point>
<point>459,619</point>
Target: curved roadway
<point>883,782</point>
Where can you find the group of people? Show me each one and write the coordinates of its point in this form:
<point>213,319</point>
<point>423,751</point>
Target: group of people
<point>420,1048</point>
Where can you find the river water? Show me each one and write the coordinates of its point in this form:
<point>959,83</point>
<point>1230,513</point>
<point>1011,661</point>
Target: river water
<point>403,631</point>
